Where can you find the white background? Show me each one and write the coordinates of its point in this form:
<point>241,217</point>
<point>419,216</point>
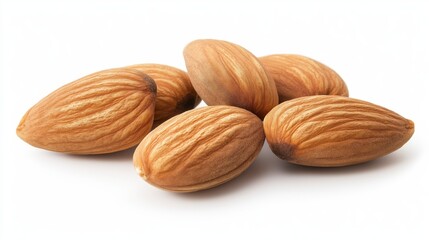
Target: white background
<point>380,48</point>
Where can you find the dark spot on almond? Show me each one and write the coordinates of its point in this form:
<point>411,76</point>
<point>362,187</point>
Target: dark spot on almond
<point>282,150</point>
<point>151,83</point>
<point>187,103</point>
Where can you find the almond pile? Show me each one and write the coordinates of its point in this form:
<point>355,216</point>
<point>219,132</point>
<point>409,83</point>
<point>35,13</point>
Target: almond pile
<point>299,105</point>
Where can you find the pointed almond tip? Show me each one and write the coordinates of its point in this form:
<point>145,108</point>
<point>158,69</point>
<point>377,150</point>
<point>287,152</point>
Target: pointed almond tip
<point>22,125</point>
<point>141,173</point>
<point>410,128</point>
<point>138,165</point>
<point>410,125</point>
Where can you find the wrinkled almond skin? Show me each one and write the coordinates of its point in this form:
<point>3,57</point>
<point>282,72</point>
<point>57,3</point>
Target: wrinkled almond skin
<point>298,76</point>
<point>331,131</point>
<point>104,112</point>
<point>175,93</point>
<point>224,73</point>
<point>200,148</point>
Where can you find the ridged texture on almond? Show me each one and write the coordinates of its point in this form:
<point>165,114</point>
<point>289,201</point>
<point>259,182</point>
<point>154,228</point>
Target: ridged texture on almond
<point>327,131</point>
<point>200,148</point>
<point>175,93</point>
<point>104,112</point>
<point>298,76</point>
<point>224,73</point>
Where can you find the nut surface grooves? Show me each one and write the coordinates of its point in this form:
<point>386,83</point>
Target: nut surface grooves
<point>104,112</point>
<point>334,131</point>
<point>298,76</point>
<point>175,93</point>
<point>200,148</point>
<point>224,73</point>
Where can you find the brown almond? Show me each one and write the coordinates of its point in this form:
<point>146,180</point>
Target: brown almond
<point>104,112</point>
<point>330,131</point>
<point>175,93</point>
<point>224,73</point>
<point>200,148</point>
<point>298,76</point>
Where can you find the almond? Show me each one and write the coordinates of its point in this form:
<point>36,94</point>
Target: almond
<point>175,93</point>
<point>104,112</point>
<point>298,76</point>
<point>224,73</point>
<point>200,148</point>
<point>329,131</point>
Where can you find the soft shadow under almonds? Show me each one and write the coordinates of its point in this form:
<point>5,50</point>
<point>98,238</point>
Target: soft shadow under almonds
<point>267,163</point>
<point>394,159</point>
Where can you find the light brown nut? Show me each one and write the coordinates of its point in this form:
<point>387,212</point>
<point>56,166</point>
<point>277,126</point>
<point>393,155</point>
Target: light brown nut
<point>175,93</point>
<point>104,112</point>
<point>298,76</point>
<point>330,131</point>
<point>200,148</point>
<point>224,73</point>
